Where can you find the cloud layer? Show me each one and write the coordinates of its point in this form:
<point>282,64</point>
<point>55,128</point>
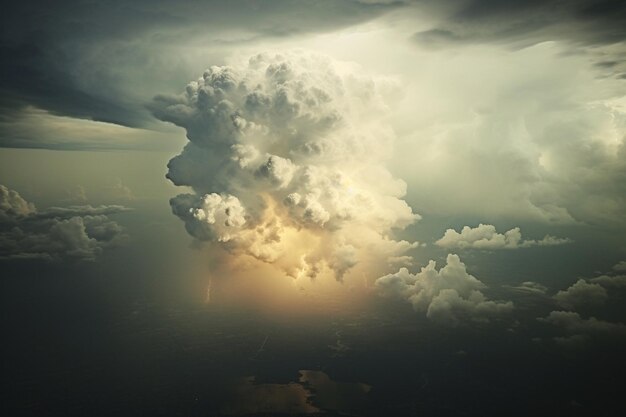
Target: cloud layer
<point>286,158</point>
<point>523,23</point>
<point>78,233</point>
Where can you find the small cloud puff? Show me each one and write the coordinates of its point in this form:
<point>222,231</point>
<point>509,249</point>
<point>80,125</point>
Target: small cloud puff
<point>58,233</point>
<point>485,236</point>
<point>286,159</point>
<point>447,295</point>
<point>620,266</point>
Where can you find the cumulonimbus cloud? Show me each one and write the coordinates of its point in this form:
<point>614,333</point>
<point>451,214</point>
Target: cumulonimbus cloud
<point>286,160</point>
<point>56,233</point>
<point>485,236</point>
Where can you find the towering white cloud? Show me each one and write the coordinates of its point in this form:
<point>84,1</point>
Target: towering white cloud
<point>54,234</point>
<point>446,295</point>
<point>286,159</point>
<point>485,236</point>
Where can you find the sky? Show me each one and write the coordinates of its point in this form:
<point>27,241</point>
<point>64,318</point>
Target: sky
<point>313,207</point>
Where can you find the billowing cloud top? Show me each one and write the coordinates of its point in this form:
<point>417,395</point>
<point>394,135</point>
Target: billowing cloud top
<point>286,158</point>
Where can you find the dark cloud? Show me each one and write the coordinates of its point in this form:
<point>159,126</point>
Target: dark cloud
<point>274,145</point>
<point>526,22</point>
<point>78,233</point>
<point>40,75</point>
<point>70,57</point>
